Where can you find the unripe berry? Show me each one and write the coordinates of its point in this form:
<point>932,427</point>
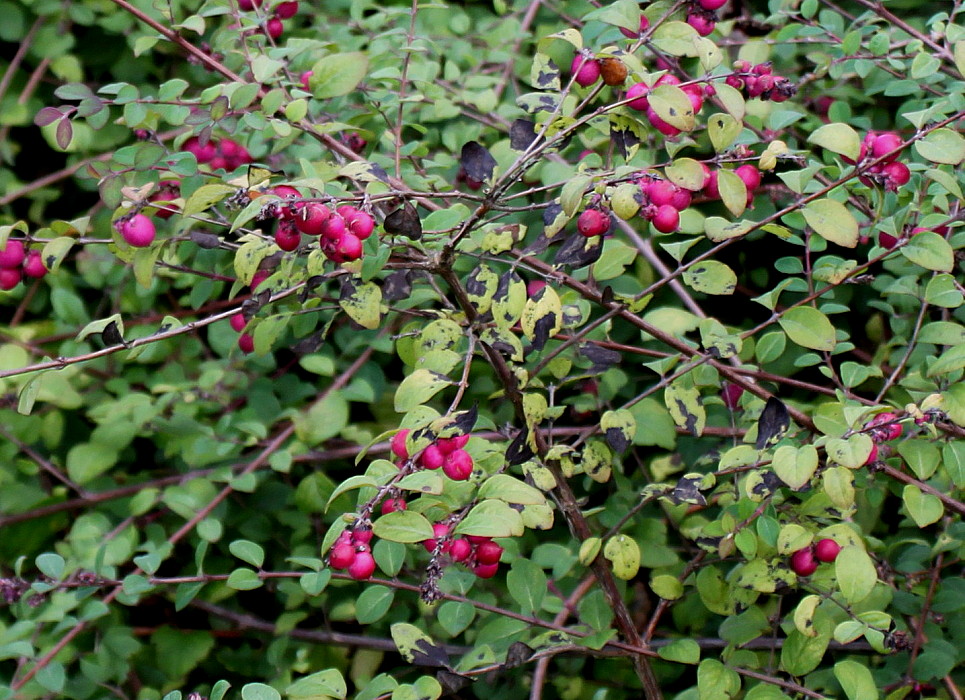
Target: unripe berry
<point>803,562</point>
<point>432,457</point>
<point>460,550</point>
<point>667,219</point>
<point>138,231</point>
<point>363,566</point>
<point>827,550</point>
<point>485,570</point>
<point>585,70</point>
<point>638,92</point>
<point>342,555</point>
<point>311,218</point>
<point>593,222</point>
<point>33,266</point>
<point>238,322</point>
<point>9,278</point>
<point>246,342</point>
<point>12,255</point>
<point>451,444</point>
<point>392,505</point>
<point>458,465</point>
<point>488,552</point>
<point>398,443</point>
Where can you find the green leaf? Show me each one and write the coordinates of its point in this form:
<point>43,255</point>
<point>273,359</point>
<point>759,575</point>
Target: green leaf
<point>941,291</point>
<point>838,138</point>
<point>931,251</point>
<point>248,552</point>
<point>623,554</point>
<point>921,455</point>
<point>403,526</point>
<point>733,191</point>
<point>681,651</point>
<point>809,328</point>
<point>324,684</point>
<point>338,74</point>
<point>856,680</point>
<point>856,574</point>
<point>802,654</point>
<point>373,604</point>
<point>716,682</point>
<point>51,565</point>
<point>831,220</point>
<point>206,197</point>
<point>924,508</point>
<point>511,490</point>
<point>362,302</point>
<point>804,615</point>
<point>723,130</point>
<point>456,616</point>
<point>711,277</point>
<point>527,585</point>
<point>244,579</point>
<point>259,691</point>
<point>673,106</point>
<point>491,518</point>
<point>667,587</point>
<point>942,146</point>
<point>323,420</point>
<point>419,387</point>
<point>795,465</point>
<point>949,361</point>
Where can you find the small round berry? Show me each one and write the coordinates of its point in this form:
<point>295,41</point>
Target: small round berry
<point>534,286</point>
<point>432,457</point>
<point>659,124</point>
<point>246,342</point>
<point>644,24</point>
<point>873,455</point>
<point>203,154</point>
<point>249,5</point>
<point>305,79</point>
<point>585,70</point>
<point>439,531</point>
<point>488,552</point>
<point>398,443</point>
<point>391,505</point>
<point>363,566</point>
<point>274,28</point>
<point>460,549</point>
<point>485,570</point>
<point>803,562</point>
<point>287,236</point>
<point>238,322</point>
<point>259,277</point>
<point>703,24</point>
<point>593,222</point>
<point>660,192</point>
<point>167,190</point>
<point>341,556</point>
<point>897,174</point>
<point>333,228</point>
<point>710,187</point>
<point>826,550</point>
<point>667,219</point>
<point>885,143</point>
<point>33,266</point>
<point>711,5</point>
<point>681,199</point>
<point>285,10</point>
<point>750,175</point>
<point>458,465</point>
<point>451,444</point>
<point>349,247</point>
<point>9,278</point>
<point>668,79</point>
<point>695,93</point>
<point>637,94</point>
<point>138,231</point>
<point>361,535</point>
<point>361,224</point>
<point>12,255</point>
<point>310,218</point>
<point>613,71</point>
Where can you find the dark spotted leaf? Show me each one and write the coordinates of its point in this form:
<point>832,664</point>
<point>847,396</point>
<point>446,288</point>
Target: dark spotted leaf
<point>404,221</point>
<point>111,335</point>
<point>397,285</point>
<point>519,450</point>
<point>477,161</point>
<point>578,251</point>
<point>618,427</point>
<point>522,134</point>
<point>602,358</point>
<point>518,654</point>
<point>417,647</point>
<point>772,424</point>
<point>205,240</point>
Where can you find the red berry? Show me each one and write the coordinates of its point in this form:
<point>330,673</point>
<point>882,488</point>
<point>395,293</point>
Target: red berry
<point>361,535</point>
<point>803,562</point>
<point>12,255</point>
<point>248,5</point>
<point>305,79</point>
<point>681,199</point>
<point>661,192</point>
<point>259,277</point>
<point>349,247</point>
<point>762,68</point>
<point>668,79</point>
<point>288,194</point>
<point>593,222</point>
<point>284,10</point>
<point>333,228</point>
<point>203,154</point>
<point>391,505</point>
<point>274,29</point>
<point>711,5</point>
<point>731,395</point>
<point>888,427</point>
<point>287,236</point>
<point>750,175</point>
<point>659,124</point>
<point>586,70</point>
<point>311,217</point>
<point>710,187</point>
<point>33,266</point>
<point>362,567</point>
<point>439,530</point>
<point>478,539</point>
<point>361,224</point>
<point>897,174</point>
<point>460,550</point>
<point>644,24</point>
<point>138,231</point>
<point>885,143</point>
<point>9,278</point>
<point>246,342</point>
<point>167,190</point>
<point>451,444</point>
<point>238,322</point>
<point>485,570</point>
<point>667,219</point>
<point>458,465</point>
<point>533,286</point>
<point>886,240</point>
<point>488,552</point>
<point>342,555</point>
<point>827,550</point>
<point>873,455</point>
<point>432,457</point>
<point>638,96</point>
<point>398,444</point>
<point>703,24</point>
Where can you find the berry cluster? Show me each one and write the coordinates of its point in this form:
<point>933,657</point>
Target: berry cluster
<point>352,551</point>
<point>759,81</point>
<point>340,232</point>
<point>167,191</point>
<point>480,554</point>
<point>637,94</point>
<point>226,153</point>
<point>891,173</point>
<point>886,240</point>
<point>662,202</point>
<point>447,453</point>
<point>884,427</point>
<point>804,562</point>
<point>273,26</point>
<point>748,173</point>
<point>16,263</point>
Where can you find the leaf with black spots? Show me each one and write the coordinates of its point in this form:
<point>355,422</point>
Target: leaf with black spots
<point>687,490</point>
<point>522,134</point>
<point>311,284</point>
<point>509,299</point>
<point>452,682</point>
<point>481,286</point>
<point>309,345</point>
<point>619,428</point>
<point>205,240</point>
<point>111,335</point>
<point>542,317</point>
<point>459,423</point>
<point>544,74</point>
<point>685,408</point>
<point>773,423</point>
<point>518,654</point>
<point>397,285</point>
<point>417,648</point>
<point>519,450</point>
<point>404,221</point>
<point>477,161</point>
<point>579,251</point>
<point>602,358</point>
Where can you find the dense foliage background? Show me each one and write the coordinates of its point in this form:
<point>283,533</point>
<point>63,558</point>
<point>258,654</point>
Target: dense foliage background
<point>679,405</point>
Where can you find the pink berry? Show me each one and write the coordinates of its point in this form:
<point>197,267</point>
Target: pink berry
<point>362,535</point>
<point>681,199</point>
<point>167,190</point>
<point>460,550</point>
<point>439,531</point>
<point>701,23</point>
<point>285,10</point>
<point>659,124</point>
<point>287,236</point>
<point>661,192</point>
<point>731,395</point>
<point>451,444</point>
<point>246,342</point>
<point>341,556</point>
<point>764,68</point>
<point>827,550</point>
<point>9,278</point>
<point>750,175</point>
<point>710,187</point>
<point>803,562</point>
<point>33,266</point>
<point>896,174</point>
<point>249,5</point>
<point>711,5</point>
<point>637,94</point>
<point>695,93</point>
<point>593,222</point>
<point>138,231</point>
<point>398,443</point>
<point>392,505</point>
<point>488,552</point>
<point>458,465</point>
<point>432,457</point>
<point>203,154</point>
<point>362,567</point>
<point>485,570</point>
<point>12,255</point>
<point>667,219</point>
<point>478,539</point>
<point>238,322</point>
<point>274,28</point>
<point>533,286</point>
<point>668,79</point>
<point>333,228</point>
<point>310,218</point>
<point>885,143</point>
<point>644,24</point>
<point>259,277</point>
<point>361,224</point>
<point>586,70</point>
<point>349,247</point>
<point>305,79</point>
